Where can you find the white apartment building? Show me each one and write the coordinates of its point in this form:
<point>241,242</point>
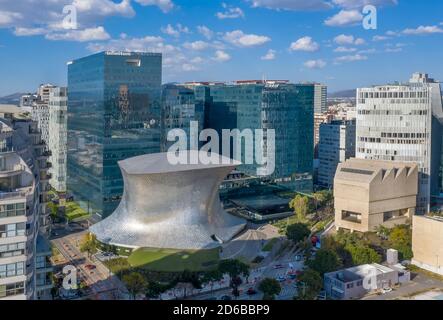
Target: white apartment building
<point>58,135</point>
<point>401,122</point>
<point>320,98</point>
<point>337,144</point>
<point>24,218</point>
<point>50,112</point>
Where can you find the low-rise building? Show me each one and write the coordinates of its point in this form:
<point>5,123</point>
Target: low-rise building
<point>356,282</point>
<point>370,193</point>
<point>427,243</point>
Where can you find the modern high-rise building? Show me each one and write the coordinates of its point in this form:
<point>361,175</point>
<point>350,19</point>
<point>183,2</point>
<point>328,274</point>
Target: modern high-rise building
<point>49,110</point>
<point>58,136</point>
<point>179,109</point>
<point>320,98</point>
<point>279,105</point>
<point>25,269</point>
<point>114,111</point>
<point>402,122</point>
<point>337,144</point>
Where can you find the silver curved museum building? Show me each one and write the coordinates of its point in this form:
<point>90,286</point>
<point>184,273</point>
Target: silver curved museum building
<point>174,206</point>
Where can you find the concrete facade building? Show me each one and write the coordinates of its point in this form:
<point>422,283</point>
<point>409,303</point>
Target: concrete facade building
<point>427,243</point>
<point>24,217</point>
<point>337,144</point>
<point>371,193</point>
<point>403,123</point>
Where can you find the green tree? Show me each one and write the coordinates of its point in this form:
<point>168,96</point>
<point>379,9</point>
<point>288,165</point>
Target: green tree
<point>135,283</point>
<point>298,232</point>
<point>211,277</point>
<point>89,244</point>
<point>325,261</point>
<point>154,289</point>
<point>187,279</point>
<point>363,255</point>
<point>270,288</point>
<point>310,285</point>
<point>235,269</point>
<point>300,205</point>
<point>400,239</point>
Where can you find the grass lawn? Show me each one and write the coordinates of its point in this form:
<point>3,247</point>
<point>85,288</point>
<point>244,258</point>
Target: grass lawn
<point>169,260</point>
<point>74,211</point>
<point>268,246</point>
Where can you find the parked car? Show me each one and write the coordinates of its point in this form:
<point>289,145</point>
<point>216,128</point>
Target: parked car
<point>281,278</point>
<point>251,292</point>
<point>90,267</point>
<point>278,266</point>
<point>386,290</point>
<point>298,257</point>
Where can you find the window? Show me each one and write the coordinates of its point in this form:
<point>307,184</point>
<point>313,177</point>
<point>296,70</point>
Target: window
<point>12,249</point>
<point>12,210</point>
<point>12,270</point>
<point>12,230</point>
<point>12,289</point>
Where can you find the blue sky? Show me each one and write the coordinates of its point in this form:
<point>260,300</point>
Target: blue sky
<point>298,40</point>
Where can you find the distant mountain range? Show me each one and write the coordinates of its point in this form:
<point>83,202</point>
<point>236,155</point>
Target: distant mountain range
<point>12,98</point>
<point>343,94</point>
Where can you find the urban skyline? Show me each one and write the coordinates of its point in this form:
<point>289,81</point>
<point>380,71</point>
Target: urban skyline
<point>325,42</point>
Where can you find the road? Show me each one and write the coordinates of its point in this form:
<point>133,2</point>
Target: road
<point>102,284</point>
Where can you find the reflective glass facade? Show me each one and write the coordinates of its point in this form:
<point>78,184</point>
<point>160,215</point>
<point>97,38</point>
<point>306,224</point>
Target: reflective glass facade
<point>286,108</point>
<point>114,111</point>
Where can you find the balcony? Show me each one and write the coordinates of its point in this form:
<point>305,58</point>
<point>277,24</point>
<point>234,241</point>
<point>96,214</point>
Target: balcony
<point>11,171</point>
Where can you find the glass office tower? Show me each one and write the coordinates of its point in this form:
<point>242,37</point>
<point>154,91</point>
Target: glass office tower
<point>114,109</point>
<point>287,108</point>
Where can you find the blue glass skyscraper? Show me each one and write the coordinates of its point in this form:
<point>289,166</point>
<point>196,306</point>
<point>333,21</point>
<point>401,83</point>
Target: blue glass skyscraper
<point>114,110</point>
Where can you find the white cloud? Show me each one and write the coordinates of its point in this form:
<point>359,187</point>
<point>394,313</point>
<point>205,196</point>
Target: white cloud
<point>270,55</point>
<point>164,5</point>
<point>344,39</point>
<point>240,39</point>
<point>8,17</point>
<point>206,32</point>
<point>104,7</point>
<point>230,12</point>
<point>89,34</point>
<point>315,64</point>
<point>23,32</point>
<point>380,38</point>
<point>345,49</point>
<point>391,50</point>
<point>221,56</point>
<point>294,5</point>
<point>351,58</point>
<point>357,4</point>
<point>196,45</point>
<point>189,67</point>
<point>304,44</point>
<point>367,51</point>
<point>423,30</point>
<point>174,32</point>
<point>344,18</point>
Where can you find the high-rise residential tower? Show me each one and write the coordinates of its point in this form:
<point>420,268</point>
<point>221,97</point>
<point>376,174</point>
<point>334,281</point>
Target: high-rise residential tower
<point>24,218</point>
<point>114,111</point>
<point>320,98</point>
<point>337,144</point>
<point>402,122</point>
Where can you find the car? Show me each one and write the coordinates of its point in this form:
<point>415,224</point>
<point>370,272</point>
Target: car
<point>298,257</point>
<point>226,297</point>
<point>292,276</point>
<point>278,266</point>
<point>251,291</point>
<point>281,278</point>
<point>386,290</point>
<point>90,267</point>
